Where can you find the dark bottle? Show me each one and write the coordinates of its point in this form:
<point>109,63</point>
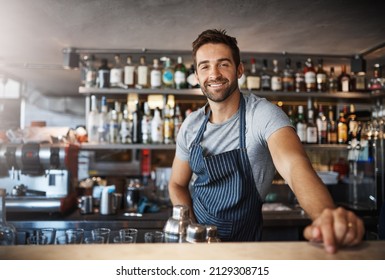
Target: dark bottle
<point>332,128</point>
<point>321,77</point>
<point>104,74</point>
<point>375,83</point>
<point>299,78</point>
<point>276,77</point>
<point>322,126</point>
<point>344,83</point>
<point>265,76</point>
<point>310,76</point>
<point>137,116</point>
<point>332,81</point>
<point>288,76</point>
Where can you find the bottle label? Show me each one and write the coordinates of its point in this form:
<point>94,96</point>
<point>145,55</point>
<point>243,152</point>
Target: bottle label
<point>276,83</point>
<point>142,75</point>
<point>301,131</point>
<point>116,76</point>
<point>311,134</point>
<point>345,85</point>
<point>156,79</point>
<point>180,77</point>
<point>310,77</point>
<point>168,78</point>
<point>129,75</point>
<point>321,78</point>
<point>192,80</point>
<point>253,82</point>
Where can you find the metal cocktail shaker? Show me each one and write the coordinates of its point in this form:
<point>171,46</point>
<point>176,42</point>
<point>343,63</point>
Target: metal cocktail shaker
<point>176,226</point>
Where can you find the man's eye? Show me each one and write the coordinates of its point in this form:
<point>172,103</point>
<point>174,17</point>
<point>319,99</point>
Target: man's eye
<point>224,64</point>
<point>203,67</point>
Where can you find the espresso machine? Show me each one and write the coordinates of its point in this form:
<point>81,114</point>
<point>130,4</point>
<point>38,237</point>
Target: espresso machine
<point>39,177</point>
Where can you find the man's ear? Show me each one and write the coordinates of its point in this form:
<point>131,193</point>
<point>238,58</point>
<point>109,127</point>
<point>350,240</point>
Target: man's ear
<point>240,70</point>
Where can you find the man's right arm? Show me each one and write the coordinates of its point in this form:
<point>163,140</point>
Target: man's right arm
<point>179,184</point>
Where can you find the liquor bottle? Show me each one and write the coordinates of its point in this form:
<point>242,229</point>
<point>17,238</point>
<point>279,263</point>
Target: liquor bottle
<point>157,127</point>
<point>178,119</point>
<point>300,85</point>
<point>125,127</point>
<point>253,80</point>
<point>332,128</point>
<point>168,74</point>
<point>7,230</point>
<point>168,125</point>
<point>155,74</point>
<point>342,128</point>
<point>129,73</point>
<point>332,81</point>
<point>376,82</point>
<point>322,126</point>
<point>353,124</point>
<point>146,124</point>
<point>142,73</point>
<point>265,76</point>
<point>180,74</point>
<point>93,121</point>
<point>104,74</point>
<point>301,125</point>
<point>113,130</point>
<point>288,76</point>
<point>311,128</point>
<point>321,77</point>
<point>91,72</point>
<point>136,133</point>
<point>291,115</point>
<point>192,81</point>
<point>116,73</point>
<point>119,113</point>
<point>242,81</point>
<point>276,78</point>
<point>344,80</point>
<point>103,121</point>
<point>310,76</point>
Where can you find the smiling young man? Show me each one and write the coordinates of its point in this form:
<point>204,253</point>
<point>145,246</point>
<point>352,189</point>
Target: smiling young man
<point>234,144</point>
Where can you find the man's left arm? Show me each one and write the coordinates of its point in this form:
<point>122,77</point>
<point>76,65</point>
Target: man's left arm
<point>333,226</point>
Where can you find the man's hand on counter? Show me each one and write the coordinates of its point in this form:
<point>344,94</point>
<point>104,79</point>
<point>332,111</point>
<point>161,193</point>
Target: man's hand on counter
<point>336,228</point>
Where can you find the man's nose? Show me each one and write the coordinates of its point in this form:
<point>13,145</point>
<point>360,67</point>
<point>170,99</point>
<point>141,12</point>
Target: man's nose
<point>214,73</point>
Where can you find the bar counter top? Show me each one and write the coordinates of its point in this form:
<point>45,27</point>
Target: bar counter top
<point>300,250</point>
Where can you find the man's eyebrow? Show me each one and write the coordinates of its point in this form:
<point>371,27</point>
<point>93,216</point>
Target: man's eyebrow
<point>218,60</point>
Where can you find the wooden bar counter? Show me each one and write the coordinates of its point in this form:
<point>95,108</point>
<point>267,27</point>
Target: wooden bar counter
<point>298,250</point>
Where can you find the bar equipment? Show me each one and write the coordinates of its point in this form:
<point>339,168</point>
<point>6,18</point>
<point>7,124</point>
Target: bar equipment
<point>39,177</point>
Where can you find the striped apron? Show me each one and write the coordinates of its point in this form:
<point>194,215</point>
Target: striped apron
<point>224,193</point>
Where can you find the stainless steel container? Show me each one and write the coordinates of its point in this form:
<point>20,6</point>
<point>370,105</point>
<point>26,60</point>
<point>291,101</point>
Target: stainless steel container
<point>196,233</point>
<point>176,226</point>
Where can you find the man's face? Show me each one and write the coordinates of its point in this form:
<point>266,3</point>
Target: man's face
<point>216,71</point>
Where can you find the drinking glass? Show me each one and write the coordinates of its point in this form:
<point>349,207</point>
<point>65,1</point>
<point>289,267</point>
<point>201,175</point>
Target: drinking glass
<point>94,240</point>
<point>154,237</point>
<point>74,236</point>
<point>101,232</point>
<point>127,239</point>
<point>50,233</point>
<point>37,240</point>
<point>125,233</point>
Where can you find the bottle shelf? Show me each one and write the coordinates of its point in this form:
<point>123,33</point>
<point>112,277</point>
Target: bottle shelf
<point>107,146</point>
<point>364,97</point>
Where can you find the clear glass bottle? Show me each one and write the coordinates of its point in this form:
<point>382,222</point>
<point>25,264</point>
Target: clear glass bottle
<point>146,124</point>
<point>129,73</point>
<point>253,80</point>
<point>137,116</point>
<point>310,76</point>
<point>288,76</point>
<point>125,127</point>
<point>321,77</point>
<point>93,122</point>
<point>322,126</point>
<point>168,74</point>
<point>276,78</point>
<point>91,72</point>
<point>178,120</point>
<point>299,78</point>
<point>157,127</point>
<point>7,230</point>
<point>180,73</point>
<point>116,73</point>
<point>192,81</point>
<point>142,73</point>
<point>156,74</point>
<point>332,81</point>
<point>168,125</point>
<point>103,121</point>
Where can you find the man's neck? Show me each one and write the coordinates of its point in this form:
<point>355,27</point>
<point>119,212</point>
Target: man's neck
<point>222,111</point>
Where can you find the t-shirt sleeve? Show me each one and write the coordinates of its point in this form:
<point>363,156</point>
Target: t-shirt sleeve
<point>268,119</point>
